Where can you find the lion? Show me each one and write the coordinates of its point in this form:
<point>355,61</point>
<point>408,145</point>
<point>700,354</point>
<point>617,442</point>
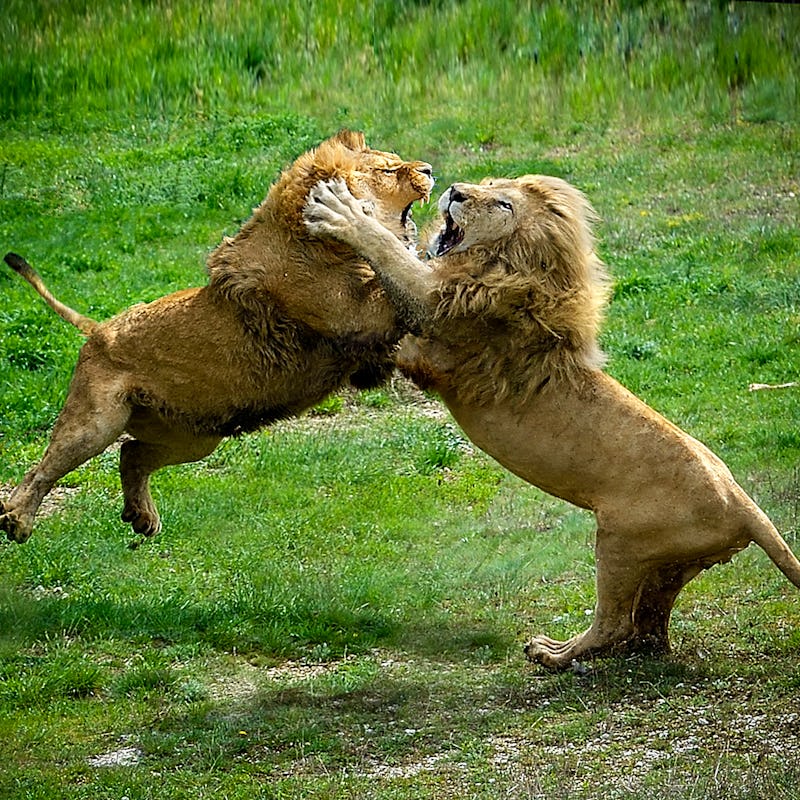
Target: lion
<point>505,319</point>
<point>284,320</point>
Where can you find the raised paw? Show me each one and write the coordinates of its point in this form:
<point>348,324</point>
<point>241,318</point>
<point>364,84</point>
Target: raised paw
<point>333,211</point>
<point>18,528</point>
<point>144,522</point>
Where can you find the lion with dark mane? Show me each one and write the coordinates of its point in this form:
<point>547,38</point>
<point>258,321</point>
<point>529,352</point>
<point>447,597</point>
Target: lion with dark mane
<point>507,315</point>
<point>284,320</point>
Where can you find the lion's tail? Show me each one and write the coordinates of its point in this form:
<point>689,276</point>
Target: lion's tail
<point>767,537</point>
<point>20,265</point>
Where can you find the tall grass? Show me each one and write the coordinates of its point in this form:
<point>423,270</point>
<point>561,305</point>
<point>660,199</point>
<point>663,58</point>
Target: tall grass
<point>537,62</point>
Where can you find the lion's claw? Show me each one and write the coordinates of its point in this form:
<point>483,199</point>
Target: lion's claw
<point>555,654</point>
<point>332,210</point>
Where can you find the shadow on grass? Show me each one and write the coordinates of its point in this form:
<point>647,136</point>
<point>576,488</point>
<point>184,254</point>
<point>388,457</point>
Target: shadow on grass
<point>305,627</point>
<point>232,624</point>
<point>394,717</point>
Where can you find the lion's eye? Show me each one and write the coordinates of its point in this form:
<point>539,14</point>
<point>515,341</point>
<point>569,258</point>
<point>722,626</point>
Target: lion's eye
<point>505,205</point>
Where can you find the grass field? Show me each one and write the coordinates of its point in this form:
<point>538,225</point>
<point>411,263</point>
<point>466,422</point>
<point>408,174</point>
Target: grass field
<point>336,607</point>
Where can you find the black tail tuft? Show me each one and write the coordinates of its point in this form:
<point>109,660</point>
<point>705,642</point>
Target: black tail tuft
<point>17,263</point>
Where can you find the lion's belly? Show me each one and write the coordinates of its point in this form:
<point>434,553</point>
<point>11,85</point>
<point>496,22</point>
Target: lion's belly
<point>604,450</point>
<point>529,452</point>
<point>189,362</point>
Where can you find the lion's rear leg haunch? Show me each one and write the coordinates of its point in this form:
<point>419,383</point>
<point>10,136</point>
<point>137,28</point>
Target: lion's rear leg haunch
<point>92,419</point>
<point>139,459</point>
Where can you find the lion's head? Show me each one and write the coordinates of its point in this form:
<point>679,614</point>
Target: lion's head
<point>519,254</point>
<point>274,262</point>
<point>391,184</point>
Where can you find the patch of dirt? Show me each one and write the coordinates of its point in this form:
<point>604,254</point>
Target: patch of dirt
<point>248,678</point>
<point>408,770</point>
<point>651,735</point>
<point>402,393</point>
<point>122,757</point>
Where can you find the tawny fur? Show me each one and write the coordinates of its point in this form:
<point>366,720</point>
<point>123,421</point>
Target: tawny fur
<point>546,283</point>
<point>284,320</point>
<point>508,313</point>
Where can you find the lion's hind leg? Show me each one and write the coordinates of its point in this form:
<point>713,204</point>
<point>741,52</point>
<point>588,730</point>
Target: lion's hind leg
<point>92,418</point>
<point>654,606</point>
<point>140,458</point>
<point>618,587</point>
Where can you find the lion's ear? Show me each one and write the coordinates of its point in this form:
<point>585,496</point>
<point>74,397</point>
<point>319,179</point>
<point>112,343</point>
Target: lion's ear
<point>353,140</point>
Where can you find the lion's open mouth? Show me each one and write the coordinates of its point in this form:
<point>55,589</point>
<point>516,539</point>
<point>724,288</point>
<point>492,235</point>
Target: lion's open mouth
<point>450,236</point>
<point>406,215</point>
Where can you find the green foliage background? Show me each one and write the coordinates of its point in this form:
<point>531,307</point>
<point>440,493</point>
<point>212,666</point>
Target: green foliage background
<point>335,607</point>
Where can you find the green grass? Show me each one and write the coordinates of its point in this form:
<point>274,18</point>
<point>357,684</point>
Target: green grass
<point>336,607</point>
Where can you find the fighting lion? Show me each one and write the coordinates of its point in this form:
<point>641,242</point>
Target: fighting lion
<point>284,320</point>
<point>507,314</point>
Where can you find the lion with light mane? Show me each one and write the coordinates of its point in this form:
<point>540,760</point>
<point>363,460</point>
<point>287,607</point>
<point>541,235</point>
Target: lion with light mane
<point>284,320</point>
<point>506,315</point>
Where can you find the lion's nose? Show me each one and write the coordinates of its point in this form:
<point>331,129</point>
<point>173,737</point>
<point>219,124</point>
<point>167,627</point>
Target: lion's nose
<point>425,169</point>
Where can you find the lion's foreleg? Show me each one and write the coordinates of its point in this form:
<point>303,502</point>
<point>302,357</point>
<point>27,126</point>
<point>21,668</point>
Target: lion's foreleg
<point>333,211</point>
